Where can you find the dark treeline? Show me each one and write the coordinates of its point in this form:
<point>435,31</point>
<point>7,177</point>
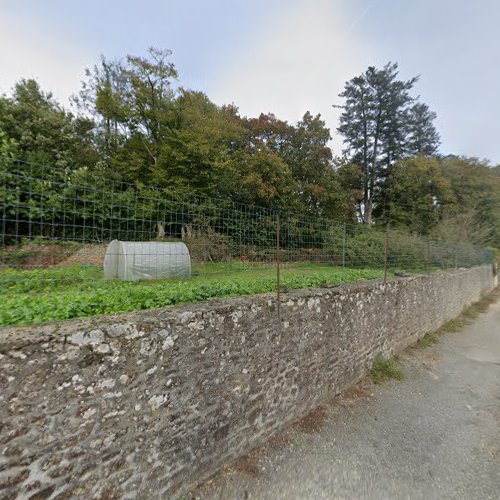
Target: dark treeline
<point>133,122</point>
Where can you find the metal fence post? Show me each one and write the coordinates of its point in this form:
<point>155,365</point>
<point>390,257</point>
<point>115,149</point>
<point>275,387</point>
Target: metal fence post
<point>343,246</point>
<point>278,284</point>
<point>386,253</point>
<point>428,257</point>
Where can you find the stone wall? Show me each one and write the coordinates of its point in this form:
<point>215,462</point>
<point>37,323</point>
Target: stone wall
<point>136,404</point>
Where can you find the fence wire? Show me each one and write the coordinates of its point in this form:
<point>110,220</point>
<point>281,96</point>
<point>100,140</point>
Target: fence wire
<point>57,225</point>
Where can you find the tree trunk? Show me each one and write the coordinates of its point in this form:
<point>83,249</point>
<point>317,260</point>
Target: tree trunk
<point>186,231</point>
<point>161,230</point>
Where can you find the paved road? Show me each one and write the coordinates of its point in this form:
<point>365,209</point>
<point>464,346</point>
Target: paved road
<point>434,435</point>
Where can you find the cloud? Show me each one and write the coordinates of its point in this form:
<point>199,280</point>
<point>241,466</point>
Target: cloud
<point>298,60</point>
<point>33,49</point>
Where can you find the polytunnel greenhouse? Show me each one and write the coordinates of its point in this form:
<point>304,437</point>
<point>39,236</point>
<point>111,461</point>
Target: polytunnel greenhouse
<point>133,260</point>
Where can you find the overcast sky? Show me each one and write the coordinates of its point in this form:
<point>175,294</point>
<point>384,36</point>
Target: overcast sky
<point>280,56</point>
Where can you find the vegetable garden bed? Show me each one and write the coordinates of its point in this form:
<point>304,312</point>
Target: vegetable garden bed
<point>37,296</point>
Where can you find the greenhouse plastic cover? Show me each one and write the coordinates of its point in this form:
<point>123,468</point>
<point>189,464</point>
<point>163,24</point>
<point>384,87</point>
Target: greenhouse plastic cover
<point>132,260</point>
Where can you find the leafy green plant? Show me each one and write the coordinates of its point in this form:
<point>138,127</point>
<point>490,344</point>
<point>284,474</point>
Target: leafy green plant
<point>56,294</point>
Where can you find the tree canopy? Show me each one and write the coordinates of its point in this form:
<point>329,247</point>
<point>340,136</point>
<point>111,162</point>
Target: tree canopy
<point>134,122</point>
<point>381,123</point>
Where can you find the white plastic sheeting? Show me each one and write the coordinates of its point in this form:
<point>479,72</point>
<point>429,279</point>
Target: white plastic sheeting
<point>132,260</point>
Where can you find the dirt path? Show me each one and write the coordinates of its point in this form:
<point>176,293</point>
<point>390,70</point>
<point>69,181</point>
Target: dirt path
<point>434,435</point>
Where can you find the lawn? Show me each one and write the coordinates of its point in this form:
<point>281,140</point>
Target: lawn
<point>37,296</point>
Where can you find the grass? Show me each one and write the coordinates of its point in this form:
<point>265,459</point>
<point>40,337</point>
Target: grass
<point>457,324</point>
<point>37,296</point>
<point>384,370</point>
<point>469,314</point>
<point>453,325</point>
<point>427,340</point>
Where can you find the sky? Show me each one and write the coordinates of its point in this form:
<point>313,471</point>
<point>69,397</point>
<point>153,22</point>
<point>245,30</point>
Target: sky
<point>279,56</point>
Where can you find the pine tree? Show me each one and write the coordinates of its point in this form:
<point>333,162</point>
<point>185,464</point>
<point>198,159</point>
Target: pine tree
<point>381,123</point>
<point>423,138</point>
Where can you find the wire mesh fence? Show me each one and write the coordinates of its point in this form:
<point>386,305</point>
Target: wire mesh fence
<point>57,226</point>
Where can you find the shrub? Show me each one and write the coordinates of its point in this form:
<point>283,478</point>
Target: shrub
<point>367,247</point>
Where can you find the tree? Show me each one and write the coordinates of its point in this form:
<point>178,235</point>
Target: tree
<point>262,178</point>
<point>103,97</point>
<point>423,138</point>
<point>41,146</point>
<point>350,180</point>
<point>476,187</point>
<point>37,129</point>
<point>311,162</point>
<point>269,131</point>
<point>309,156</point>
<point>417,194</point>
<point>199,148</point>
<point>304,148</point>
<point>151,99</point>
<point>462,228</point>
<point>133,104</point>
<point>374,123</point>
